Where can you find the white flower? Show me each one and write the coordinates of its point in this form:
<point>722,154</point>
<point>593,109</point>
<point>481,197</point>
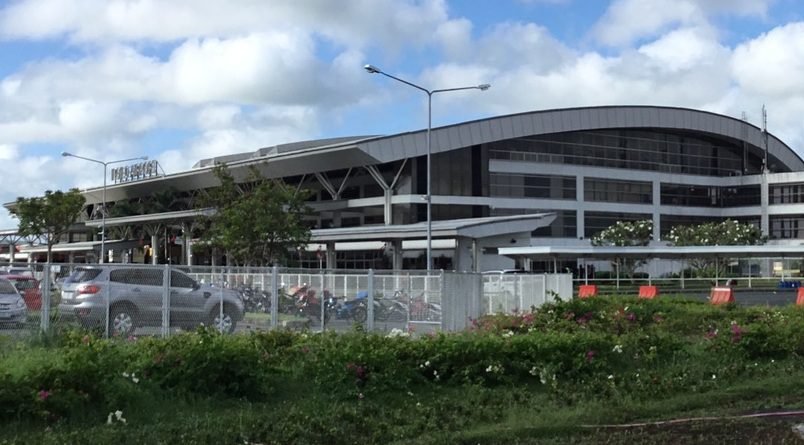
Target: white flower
<point>714,377</point>
<point>118,414</point>
<point>427,363</point>
<point>125,374</point>
<point>618,349</point>
<point>418,403</point>
<point>396,332</point>
<point>508,334</point>
<point>109,419</point>
<point>611,376</point>
<point>488,369</point>
<point>410,393</point>
<point>135,380</point>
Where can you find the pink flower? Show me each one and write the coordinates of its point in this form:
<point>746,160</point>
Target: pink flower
<point>43,395</point>
<point>590,355</point>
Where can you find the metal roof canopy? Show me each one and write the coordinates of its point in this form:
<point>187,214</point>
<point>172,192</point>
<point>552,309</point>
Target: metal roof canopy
<point>667,252</point>
<point>152,217</point>
<point>470,228</point>
<point>85,246</point>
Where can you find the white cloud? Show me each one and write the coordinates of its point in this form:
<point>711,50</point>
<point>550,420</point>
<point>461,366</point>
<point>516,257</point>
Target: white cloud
<point>772,65</point>
<point>356,22</point>
<point>628,20</point>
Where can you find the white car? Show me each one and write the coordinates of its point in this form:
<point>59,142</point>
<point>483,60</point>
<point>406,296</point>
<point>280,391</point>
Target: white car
<point>12,306</point>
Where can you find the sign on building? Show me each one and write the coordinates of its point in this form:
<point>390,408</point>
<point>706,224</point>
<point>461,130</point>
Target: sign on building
<point>135,172</point>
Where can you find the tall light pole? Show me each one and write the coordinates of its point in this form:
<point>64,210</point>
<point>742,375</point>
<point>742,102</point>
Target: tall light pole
<point>103,204</point>
<point>482,87</point>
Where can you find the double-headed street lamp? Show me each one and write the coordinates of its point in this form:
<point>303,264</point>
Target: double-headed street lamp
<point>482,87</point>
<point>103,204</point>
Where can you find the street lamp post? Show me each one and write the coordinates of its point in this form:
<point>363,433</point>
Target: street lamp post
<point>103,199</point>
<point>482,87</point>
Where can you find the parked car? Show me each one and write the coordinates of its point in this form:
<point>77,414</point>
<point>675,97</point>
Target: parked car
<point>12,306</point>
<point>16,270</point>
<point>28,287</point>
<point>136,295</point>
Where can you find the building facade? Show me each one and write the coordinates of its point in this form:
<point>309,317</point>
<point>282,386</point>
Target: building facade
<point>569,173</point>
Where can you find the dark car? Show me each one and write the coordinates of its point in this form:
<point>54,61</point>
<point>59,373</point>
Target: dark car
<point>136,296</point>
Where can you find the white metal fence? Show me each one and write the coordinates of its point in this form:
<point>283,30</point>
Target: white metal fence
<point>135,299</point>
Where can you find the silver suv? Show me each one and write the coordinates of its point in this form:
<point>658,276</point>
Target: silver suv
<point>137,296</point>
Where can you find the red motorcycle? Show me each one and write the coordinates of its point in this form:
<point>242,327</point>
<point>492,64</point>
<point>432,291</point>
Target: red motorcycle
<point>308,303</point>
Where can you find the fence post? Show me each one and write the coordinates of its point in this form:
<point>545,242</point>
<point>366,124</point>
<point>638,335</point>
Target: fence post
<point>322,301</point>
<point>166,301</point>
<point>274,297</point>
<point>370,308</point>
<point>443,290</point>
<point>45,286</point>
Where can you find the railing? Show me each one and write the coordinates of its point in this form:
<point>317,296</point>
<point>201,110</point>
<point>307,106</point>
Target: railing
<point>134,299</point>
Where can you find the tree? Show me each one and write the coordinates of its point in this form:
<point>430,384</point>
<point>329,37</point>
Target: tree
<point>725,233</point>
<point>258,222</point>
<point>624,234</point>
<point>50,215</point>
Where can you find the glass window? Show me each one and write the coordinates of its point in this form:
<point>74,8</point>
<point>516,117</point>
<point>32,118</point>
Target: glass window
<point>83,274</point>
<point>178,279</point>
<point>143,277</point>
<point>7,288</point>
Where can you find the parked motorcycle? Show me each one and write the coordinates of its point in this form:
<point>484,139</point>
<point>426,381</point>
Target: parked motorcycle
<point>384,309</point>
<point>308,303</point>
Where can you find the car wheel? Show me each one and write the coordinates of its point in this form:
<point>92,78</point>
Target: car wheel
<point>122,321</point>
<point>224,324</point>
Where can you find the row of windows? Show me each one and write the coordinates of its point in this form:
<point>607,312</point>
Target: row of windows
<point>609,190</point>
<point>532,186</point>
<point>787,227</point>
<point>632,149</point>
<point>786,194</point>
<point>710,196</point>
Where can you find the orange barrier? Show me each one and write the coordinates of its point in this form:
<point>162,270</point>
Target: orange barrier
<point>648,292</point>
<point>721,295</point>
<point>800,297</point>
<point>587,291</point>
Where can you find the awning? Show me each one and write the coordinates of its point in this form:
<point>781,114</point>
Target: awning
<point>469,228</point>
<point>667,252</point>
<point>85,246</point>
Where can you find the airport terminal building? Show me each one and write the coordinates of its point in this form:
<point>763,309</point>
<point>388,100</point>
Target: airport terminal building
<point>542,178</point>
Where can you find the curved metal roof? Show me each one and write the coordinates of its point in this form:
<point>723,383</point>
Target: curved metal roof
<point>342,153</point>
<point>389,148</point>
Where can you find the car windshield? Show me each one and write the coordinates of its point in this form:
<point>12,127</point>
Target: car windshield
<point>7,288</point>
<point>83,274</point>
<point>23,284</point>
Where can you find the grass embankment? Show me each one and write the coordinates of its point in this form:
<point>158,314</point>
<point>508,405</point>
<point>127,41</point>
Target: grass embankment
<point>540,377</point>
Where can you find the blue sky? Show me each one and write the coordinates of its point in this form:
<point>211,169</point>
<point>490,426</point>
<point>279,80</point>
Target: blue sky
<point>182,80</point>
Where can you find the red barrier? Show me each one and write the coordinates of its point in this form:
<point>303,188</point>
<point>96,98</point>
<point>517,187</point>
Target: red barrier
<point>587,291</point>
<point>721,295</point>
<point>648,292</point>
<point>800,297</point>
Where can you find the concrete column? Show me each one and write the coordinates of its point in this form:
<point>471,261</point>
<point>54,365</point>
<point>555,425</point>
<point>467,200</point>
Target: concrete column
<point>396,254</point>
<point>388,209</point>
<point>332,262</point>
<point>580,213</point>
<point>12,249</point>
<point>657,213</point>
<point>462,259</point>
<point>187,236</point>
<point>154,248</point>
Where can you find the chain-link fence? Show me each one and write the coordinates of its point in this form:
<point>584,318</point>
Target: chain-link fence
<point>123,300</point>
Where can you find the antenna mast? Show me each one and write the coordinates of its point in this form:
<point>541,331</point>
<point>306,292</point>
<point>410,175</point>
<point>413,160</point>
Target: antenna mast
<point>765,137</point>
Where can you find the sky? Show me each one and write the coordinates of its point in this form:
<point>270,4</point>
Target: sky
<point>183,80</point>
